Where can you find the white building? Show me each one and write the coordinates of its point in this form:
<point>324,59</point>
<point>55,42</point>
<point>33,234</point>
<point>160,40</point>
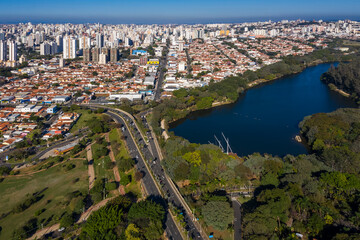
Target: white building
<point>182,66</point>
<point>12,51</point>
<point>130,96</point>
<point>60,99</point>
<point>102,58</point>
<point>99,40</point>
<point>3,50</point>
<point>45,49</point>
<point>70,47</point>
<point>84,42</point>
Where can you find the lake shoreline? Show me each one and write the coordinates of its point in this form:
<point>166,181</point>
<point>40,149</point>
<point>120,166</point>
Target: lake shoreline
<point>250,85</point>
<point>259,113</point>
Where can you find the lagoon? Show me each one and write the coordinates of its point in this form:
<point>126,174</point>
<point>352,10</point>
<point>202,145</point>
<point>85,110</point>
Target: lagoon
<point>265,118</point>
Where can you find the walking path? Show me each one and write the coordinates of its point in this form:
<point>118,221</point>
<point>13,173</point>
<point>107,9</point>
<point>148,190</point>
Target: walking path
<point>121,188</point>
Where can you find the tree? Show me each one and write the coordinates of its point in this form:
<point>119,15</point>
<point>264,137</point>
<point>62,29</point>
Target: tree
<point>149,217</point>
<point>103,222</point>
<point>125,164</point>
<point>132,232</point>
<point>4,170</point>
<point>204,103</point>
<point>217,214</point>
<point>139,175</point>
<point>97,126</point>
<point>193,158</point>
<point>95,73</point>
<point>67,220</point>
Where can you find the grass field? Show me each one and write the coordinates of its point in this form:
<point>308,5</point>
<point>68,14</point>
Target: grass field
<point>81,123</point>
<point>133,187</point>
<point>122,150</point>
<point>100,165</point>
<point>55,183</point>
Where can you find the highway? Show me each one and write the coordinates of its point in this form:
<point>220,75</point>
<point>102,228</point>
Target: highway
<point>150,186</point>
<point>151,154</point>
<point>237,219</point>
<point>174,197</point>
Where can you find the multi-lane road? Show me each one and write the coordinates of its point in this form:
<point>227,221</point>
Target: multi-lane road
<point>150,185</point>
<point>149,152</point>
<point>159,82</point>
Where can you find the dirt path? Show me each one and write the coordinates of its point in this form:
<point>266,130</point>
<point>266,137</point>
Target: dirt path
<point>121,188</point>
<point>44,231</point>
<point>91,170</point>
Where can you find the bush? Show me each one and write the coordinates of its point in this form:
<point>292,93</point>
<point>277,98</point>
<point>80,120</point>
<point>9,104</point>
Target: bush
<point>4,170</point>
<point>40,211</point>
<point>69,167</point>
<point>110,186</point>
<point>67,220</point>
<point>139,175</point>
<point>125,179</point>
<point>26,204</point>
<point>109,164</point>
<point>27,230</point>
<point>125,164</point>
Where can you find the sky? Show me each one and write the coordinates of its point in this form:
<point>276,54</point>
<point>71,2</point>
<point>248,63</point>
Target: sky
<point>169,11</point>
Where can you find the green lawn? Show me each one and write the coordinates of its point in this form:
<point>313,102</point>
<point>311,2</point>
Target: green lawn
<point>81,122</point>
<point>55,183</point>
<point>100,165</point>
<point>133,187</point>
<point>121,150</point>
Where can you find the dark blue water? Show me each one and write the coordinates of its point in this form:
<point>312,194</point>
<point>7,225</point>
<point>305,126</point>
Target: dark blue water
<point>265,119</point>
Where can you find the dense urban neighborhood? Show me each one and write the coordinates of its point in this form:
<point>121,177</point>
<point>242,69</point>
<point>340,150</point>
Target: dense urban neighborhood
<point>86,151</point>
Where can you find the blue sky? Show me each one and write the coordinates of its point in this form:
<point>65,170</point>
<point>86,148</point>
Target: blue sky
<point>181,11</point>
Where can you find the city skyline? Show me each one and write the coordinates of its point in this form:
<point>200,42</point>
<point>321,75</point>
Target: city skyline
<point>162,12</point>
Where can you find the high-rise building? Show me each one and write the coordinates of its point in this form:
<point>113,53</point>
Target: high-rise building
<point>99,40</point>
<point>70,47</point>
<point>2,36</point>
<point>114,55</point>
<point>3,50</point>
<point>84,42</point>
<point>12,51</point>
<point>201,33</point>
<point>87,55</point>
<point>45,49</point>
<point>30,41</point>
<point>53,48</point>
<point>59,42</point>
<point>128,42</point>
<point>95,54</point>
